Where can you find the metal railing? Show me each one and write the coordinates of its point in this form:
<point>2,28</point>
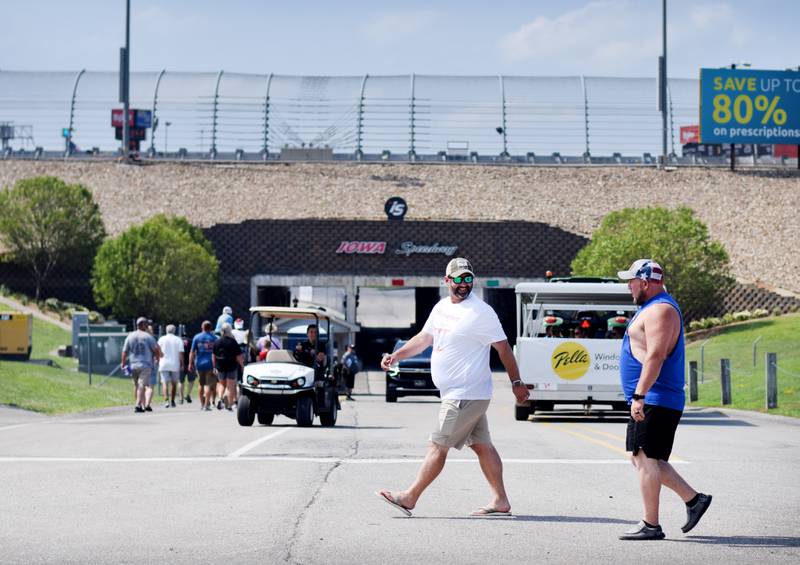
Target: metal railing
<point>236,116</point>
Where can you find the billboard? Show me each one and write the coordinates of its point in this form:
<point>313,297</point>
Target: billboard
<point>749,106</point>
<point>136,118</point>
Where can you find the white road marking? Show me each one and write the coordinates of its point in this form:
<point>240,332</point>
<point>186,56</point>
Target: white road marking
<point>245,448</point>
<point>289,458</point>
<point>89,420</point>
<point>12,426</point>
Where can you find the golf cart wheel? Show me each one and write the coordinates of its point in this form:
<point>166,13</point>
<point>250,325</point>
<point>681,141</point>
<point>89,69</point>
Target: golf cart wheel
<point>391,394</point>
<point>265,418</point>
<point>305,411</point>
<point>521,413</point>
<point>244,411</point>
<point>329,418</point>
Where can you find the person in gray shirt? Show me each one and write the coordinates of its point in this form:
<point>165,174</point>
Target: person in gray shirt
<point>141,351</point>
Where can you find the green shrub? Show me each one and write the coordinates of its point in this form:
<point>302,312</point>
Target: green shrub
<point>777,311</point>
<point>742,316</point>
<point>727,318</point>
<point>158,269</point>
<point>696,268</point>
<point>760,313</point>
<point>695,325</point>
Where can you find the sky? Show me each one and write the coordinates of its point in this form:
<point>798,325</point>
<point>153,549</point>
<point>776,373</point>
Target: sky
<point>465,37</point>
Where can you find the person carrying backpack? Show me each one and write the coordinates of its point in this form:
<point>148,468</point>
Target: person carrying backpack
<point>351,365</point>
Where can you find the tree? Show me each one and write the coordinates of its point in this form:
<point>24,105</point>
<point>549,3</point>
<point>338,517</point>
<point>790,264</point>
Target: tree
<point>182,224</point>
<point>45,222</point>
<point>161,269</point>
<point>697,269</point>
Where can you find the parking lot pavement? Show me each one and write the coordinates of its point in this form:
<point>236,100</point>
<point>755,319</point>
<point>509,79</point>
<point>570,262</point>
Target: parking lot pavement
<point>183,486</point>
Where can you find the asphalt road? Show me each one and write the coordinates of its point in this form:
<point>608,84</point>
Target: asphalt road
<point>185,486</point>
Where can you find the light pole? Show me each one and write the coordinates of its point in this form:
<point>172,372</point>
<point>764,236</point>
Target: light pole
<point>662,80</point>
<point>166,136</point>
<point>124,82</point>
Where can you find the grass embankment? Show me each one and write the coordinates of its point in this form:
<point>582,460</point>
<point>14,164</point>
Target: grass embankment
<point>779,335</point>
<point>60,389</point>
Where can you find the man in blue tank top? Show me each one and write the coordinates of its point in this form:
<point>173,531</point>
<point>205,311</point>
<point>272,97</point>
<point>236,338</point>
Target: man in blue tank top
<point>652,373</point>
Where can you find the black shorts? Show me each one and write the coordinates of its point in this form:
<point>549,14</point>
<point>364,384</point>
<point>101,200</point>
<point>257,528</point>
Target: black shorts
<point>190,375</point>
<point>655,434</point>
<point>349,378</point>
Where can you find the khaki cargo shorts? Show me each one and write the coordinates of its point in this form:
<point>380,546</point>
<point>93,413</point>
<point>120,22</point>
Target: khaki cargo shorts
<point>462,422</point>
<point>207,378</point>
<point>141,377</point>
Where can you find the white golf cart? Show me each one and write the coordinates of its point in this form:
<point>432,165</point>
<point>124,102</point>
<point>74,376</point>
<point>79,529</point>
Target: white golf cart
<point>281,383</point>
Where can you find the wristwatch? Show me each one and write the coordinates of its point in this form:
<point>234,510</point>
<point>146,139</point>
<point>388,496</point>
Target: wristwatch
<point>637,396</point>
<point>516,382</point>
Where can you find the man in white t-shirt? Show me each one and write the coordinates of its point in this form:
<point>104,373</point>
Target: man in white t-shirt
<point>171,364</point>
<point>461,328</point>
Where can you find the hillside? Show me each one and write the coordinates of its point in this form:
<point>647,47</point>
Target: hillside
<point>753,212</point>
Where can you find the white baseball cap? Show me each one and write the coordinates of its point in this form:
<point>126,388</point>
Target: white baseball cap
<point>645,269</point>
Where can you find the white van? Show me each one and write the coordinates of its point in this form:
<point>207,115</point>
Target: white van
<point>565,350</point>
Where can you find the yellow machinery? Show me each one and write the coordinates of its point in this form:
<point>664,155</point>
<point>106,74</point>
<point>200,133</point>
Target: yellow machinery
<point>16,335</point>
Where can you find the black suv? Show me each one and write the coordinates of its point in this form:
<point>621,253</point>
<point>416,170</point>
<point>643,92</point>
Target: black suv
<point>411,377</point>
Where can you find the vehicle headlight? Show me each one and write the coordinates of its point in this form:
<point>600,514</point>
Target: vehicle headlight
<point>298,382</point>
<point>252,381</point>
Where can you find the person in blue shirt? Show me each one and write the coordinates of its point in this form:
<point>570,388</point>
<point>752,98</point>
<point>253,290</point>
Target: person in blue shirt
<point>225,318</point>
<point>652,373</point>
<point>200,359</point>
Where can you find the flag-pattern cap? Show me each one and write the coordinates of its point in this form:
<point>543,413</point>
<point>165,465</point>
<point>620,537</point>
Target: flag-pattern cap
<point>645,269</point>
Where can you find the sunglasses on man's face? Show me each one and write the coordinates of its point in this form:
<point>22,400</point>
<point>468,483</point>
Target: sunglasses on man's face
<point>459,280</point>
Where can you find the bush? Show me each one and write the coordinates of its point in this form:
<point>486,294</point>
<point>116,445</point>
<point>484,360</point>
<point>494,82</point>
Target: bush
<point>45,222</point>
<point>159,269</point>
<point>695,325</point>
<point>777,311</point>
<point>760,313</point>
<point>742,316</point>
<point>712,322</point>
<point>696,269</point>
<point>727,318</point>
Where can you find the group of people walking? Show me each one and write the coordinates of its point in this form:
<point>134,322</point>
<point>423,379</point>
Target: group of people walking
<point>213,358</point>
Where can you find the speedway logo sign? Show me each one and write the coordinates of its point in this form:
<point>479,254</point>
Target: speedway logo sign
<point>406,248</point>
<point>362,247</point>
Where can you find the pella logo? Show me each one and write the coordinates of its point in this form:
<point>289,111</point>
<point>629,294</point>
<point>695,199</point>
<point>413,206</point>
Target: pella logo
<point>362,247</point>
<point>570,360</point>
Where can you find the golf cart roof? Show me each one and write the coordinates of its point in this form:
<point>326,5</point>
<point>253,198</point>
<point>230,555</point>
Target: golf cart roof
<point>572,288</point>
<point>287,312</point>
